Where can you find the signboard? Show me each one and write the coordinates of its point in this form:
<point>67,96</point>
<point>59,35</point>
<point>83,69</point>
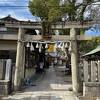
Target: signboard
<point>50,48</point>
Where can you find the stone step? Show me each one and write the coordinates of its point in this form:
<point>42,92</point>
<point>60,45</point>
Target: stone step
<point>88,98</point>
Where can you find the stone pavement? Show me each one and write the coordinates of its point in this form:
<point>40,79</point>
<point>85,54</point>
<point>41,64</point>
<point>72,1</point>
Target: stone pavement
<point>52,87</point>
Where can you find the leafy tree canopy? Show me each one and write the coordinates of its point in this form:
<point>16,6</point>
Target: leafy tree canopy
<point>45,9</point>
<point>52,10</point>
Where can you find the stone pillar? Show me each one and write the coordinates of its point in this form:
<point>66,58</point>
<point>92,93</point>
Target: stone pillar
<point>23,63</point>
<point>93,71</point>
<point>86,71</point>
<point>74,60</point>
<point>19,60</point>
<point>99,70</point>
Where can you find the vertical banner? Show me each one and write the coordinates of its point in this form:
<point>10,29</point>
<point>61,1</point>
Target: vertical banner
<point>8,70</point>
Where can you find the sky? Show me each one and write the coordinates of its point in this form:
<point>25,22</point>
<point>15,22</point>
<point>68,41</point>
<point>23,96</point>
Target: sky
<point>19,13</point>
<point>91,32</point>
<point>24,13</point>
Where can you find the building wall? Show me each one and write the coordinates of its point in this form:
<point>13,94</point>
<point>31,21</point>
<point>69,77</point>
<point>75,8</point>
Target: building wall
<point>8,45</point>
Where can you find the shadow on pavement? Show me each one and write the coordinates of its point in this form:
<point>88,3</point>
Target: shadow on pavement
<point>32,97</point>
<point>51,86</point>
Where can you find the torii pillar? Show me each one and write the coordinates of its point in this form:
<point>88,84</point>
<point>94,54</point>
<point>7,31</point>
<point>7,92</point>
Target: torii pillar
<point>74,60</point>
<point>20,57</point>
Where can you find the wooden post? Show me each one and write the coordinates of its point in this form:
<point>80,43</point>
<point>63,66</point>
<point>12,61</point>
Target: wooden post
<point>1,69</point>
<point>86,72</point>
<point>19,60</point>
<point>93,71</point>
<point>99,70</point>
<point>74,60</point>
<point>89,71</point>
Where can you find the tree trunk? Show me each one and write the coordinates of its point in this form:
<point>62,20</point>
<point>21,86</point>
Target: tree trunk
<point>46,28</point>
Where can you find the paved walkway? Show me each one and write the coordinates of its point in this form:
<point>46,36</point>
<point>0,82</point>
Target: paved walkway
<point>52,87</point>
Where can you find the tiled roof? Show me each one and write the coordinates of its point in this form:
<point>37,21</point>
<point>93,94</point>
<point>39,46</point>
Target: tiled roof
<point>94,51</point>
<point>9,18</point>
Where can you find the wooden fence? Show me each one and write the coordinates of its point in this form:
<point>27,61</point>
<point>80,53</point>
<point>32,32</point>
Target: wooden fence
<point>89,71</point>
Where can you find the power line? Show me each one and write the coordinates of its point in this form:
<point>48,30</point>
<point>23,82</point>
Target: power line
<point>28,6</point>
<point>28,1</point>
<point>14,1</point>
<point>1,6</point>
<point>14,7</point>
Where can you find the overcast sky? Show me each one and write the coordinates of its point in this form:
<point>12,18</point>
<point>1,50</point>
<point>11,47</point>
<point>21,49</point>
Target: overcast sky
<point>23,13</point>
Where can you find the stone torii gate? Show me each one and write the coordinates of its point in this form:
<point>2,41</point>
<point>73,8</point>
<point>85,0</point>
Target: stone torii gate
<point>20,56</point>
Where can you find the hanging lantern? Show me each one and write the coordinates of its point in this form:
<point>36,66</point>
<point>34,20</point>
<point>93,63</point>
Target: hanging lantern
<point>32,47</point>
<point>46,46</point>
<point>37,45</point>
<point>28,45</point>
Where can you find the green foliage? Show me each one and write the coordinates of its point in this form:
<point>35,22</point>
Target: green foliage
<point>70,8</point>
<point>97,40</point>
<point>86,46</point>
<point>37,8</point>
<point>45,9</point>
<point>64,32</point>
<point>51,11</point>
<point>48,11</point>
<point>82,31</point>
